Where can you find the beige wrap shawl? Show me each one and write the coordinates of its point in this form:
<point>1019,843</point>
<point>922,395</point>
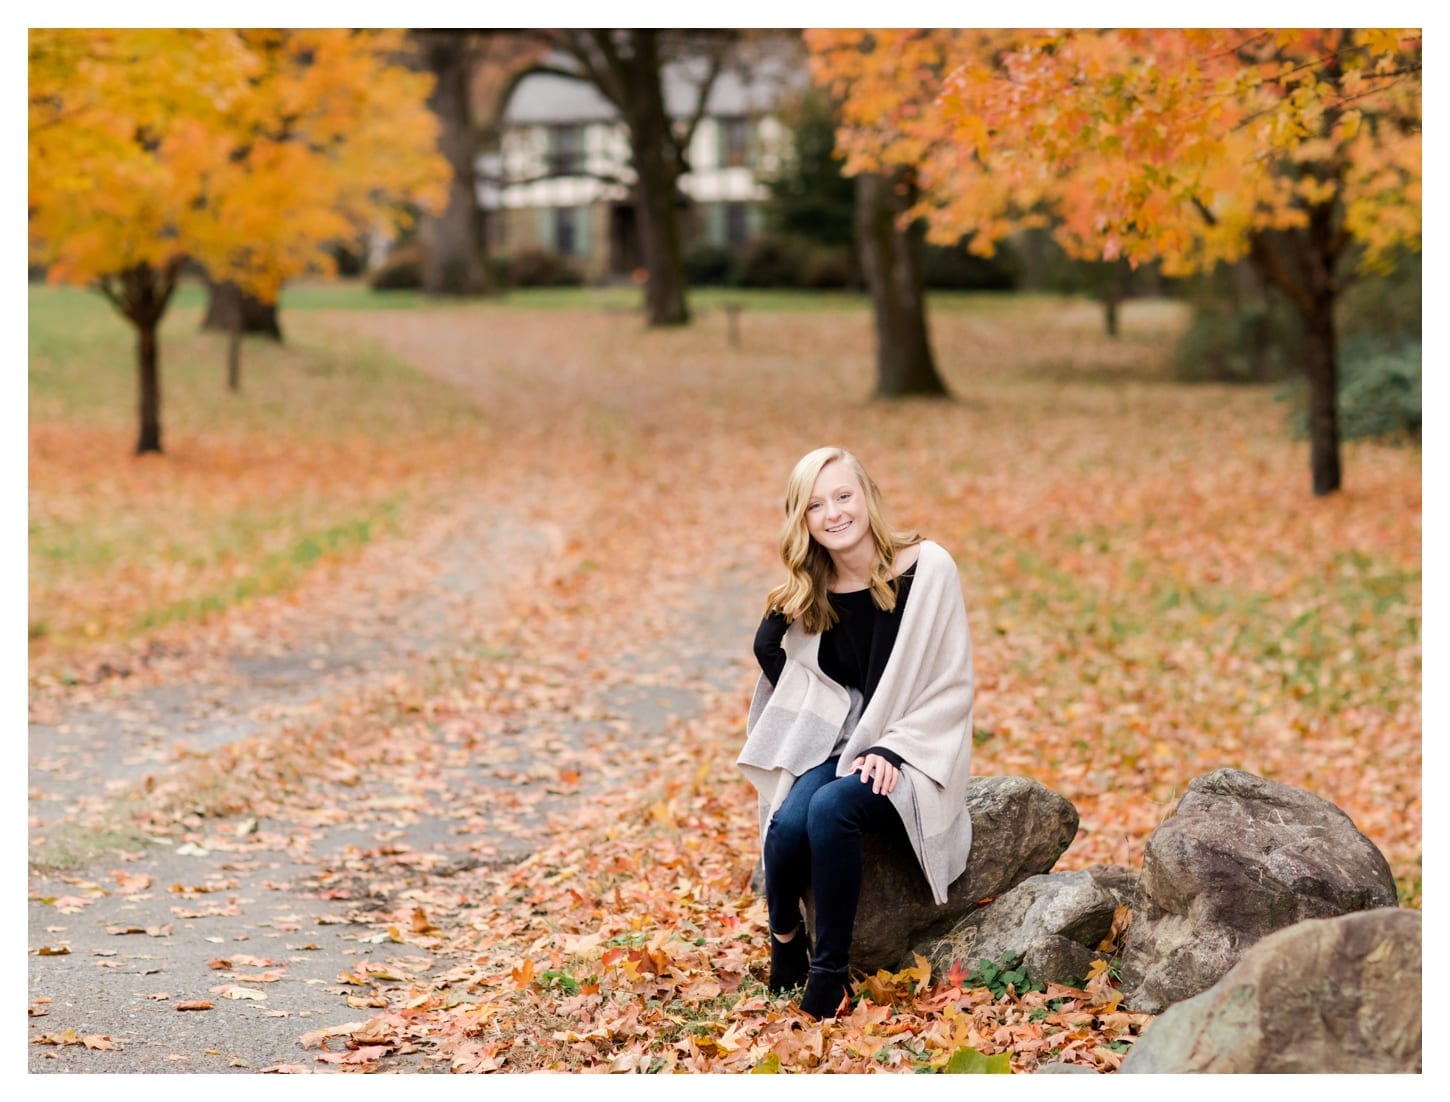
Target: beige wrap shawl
<point>921,709</point>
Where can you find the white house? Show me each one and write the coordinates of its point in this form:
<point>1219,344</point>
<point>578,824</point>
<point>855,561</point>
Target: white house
<point>564,165</point>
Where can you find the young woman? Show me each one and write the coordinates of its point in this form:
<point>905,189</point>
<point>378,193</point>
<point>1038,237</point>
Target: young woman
<point>861,719</point>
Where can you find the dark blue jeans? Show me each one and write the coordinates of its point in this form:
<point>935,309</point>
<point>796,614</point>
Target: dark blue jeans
<point>814,841</point>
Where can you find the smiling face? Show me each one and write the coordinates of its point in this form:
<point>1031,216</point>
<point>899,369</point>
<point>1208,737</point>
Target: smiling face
<point>836,515</point>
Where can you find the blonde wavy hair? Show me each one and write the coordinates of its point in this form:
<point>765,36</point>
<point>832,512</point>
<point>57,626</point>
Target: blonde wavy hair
<point>804,592</point>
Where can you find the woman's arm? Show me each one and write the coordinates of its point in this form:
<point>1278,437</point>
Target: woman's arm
<point>768,650</point>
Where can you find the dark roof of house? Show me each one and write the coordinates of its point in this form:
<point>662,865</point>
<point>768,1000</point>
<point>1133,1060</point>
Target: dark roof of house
<point>549,98</point>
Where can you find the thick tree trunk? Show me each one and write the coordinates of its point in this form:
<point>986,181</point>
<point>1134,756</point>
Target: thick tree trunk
<point>891,260</point>
<point>149,378</point>
<point>657,215</point>
<point>454,258</point>
<point>227,308</point>
<point>659,239</point>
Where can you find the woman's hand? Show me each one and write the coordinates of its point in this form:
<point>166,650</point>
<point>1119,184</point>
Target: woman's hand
<point>878,771</point>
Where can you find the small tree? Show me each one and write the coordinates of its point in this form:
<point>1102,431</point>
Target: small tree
<point>247,151</point>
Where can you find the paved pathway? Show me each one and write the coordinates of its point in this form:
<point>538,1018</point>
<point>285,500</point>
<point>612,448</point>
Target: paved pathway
<point>175,923</point>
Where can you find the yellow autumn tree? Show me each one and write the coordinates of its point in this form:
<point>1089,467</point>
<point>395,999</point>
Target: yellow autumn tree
<point>1297,149</point>
<point>248,152</point>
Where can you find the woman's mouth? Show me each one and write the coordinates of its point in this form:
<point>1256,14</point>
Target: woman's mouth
<point>839,528</point>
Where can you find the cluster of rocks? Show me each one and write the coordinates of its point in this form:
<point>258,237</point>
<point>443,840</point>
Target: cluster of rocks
<point>1265,931</point>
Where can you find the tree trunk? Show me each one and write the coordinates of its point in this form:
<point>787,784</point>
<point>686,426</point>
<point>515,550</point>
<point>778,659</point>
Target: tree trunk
<point>454,257</point>
<point>1302,262</point>
<point>141,295</point>
<point>234,358</point>
<point>1321,364</point>
<point>1115,289</point>
<point>149,378</point>
<point>891,260</point>
<point>1111,300</point>
<point>659,239</point>
<point>227,308</point>
<point>656,172</point>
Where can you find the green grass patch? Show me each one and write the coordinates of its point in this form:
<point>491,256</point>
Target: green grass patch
<point>278,571</point>
<point>317,384</point>
<point>1333,639</point>
<point>356,295</point>
<point>329,445</point>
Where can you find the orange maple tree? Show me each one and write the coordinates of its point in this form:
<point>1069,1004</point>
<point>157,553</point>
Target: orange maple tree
<point>1298,149</point>
<point>246,151</point>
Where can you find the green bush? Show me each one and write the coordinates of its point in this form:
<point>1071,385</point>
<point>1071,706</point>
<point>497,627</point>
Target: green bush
<point>955,269</point>
<point>1250,345</point>
<point>542,268</point>
<point>1387,305</point>
<point>828,268</point>
<point>708,264</point>
<point>770,261</point>
<point>401,271</point>
<point>1244,332</point>
<point>1379,391</point>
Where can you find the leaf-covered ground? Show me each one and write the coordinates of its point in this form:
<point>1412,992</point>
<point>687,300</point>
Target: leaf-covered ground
<point>1153,594</point>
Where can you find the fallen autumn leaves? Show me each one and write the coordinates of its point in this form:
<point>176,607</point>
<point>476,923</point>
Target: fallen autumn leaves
<point>1151,597</point>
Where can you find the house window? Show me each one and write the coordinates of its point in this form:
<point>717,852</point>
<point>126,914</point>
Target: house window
<point>490,228</point>
<point>566,150</point>
<point>736,230</point>
<point>734,141</point>
<point>566,231</point>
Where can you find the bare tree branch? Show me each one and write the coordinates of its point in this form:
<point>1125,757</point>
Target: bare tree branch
<point>612,77</point>
<point>717,64</point>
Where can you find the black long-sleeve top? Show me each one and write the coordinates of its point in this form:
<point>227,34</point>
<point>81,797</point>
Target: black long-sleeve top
<point>853,651</point>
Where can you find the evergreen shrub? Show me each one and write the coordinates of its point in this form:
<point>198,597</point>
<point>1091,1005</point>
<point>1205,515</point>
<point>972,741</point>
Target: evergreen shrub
<point>1379,391</point>
<point>828,268</point>
<point>1255,344</point>
<point>543,268</point>
<point>708,264</point>
<point>955,269</point>
<point>401,271</point>
<point>770,261</point>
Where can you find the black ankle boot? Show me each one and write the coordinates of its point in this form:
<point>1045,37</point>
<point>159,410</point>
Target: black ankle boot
<point>824,992</point>
<point>789,961</point>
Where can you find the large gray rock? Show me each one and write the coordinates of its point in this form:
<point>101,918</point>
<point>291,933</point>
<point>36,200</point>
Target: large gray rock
<point>1239,858</point>
<point>1054,921</point>
<point>1019,829</point>
<point>1326,995</point>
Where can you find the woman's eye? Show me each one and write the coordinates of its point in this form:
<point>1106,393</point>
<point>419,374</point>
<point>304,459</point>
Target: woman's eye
<point>813,506</point>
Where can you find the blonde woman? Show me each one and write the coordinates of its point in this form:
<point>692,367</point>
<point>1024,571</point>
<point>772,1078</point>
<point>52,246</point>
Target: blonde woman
<point>861,719</point>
